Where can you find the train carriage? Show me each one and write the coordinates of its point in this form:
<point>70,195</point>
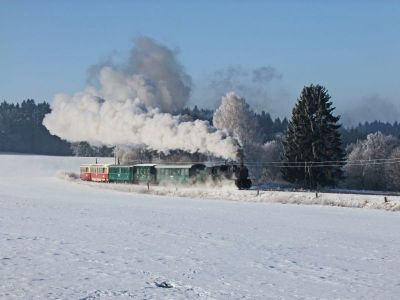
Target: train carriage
<point>85,172</point>
<point>144,173</point>
<point>121,173</point>
<point>189,173</point>
<point>99,172</point>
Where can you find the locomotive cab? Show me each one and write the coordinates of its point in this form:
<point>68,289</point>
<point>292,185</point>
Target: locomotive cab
<point>242,178</point>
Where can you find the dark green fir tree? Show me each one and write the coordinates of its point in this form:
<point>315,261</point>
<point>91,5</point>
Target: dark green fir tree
<point>312,146</point>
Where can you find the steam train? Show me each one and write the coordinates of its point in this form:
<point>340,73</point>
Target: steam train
<point>165,173</point>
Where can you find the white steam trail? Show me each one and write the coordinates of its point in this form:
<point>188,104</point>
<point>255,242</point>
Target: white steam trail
<point>131,105</point>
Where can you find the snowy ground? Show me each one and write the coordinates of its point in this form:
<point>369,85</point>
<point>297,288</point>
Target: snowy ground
<point>63,240</point>
<point>228,191</point>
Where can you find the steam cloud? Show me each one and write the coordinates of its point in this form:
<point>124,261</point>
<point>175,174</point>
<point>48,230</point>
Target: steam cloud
<point>262,88</point>
<point>370,108</point>
<point>265,74</point>
<point>131,106</point>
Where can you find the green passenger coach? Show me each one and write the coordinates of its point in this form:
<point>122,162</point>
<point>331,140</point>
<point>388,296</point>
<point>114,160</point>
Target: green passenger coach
<point>121,173</point>
<point>139,173</point>
<point>189,173</point>
<point>144,173</point>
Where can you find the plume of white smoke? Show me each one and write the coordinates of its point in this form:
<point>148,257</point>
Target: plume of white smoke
<point>152,74</point>
<point>263,88</point>
<point>131,107</point>
<point>370,108</point>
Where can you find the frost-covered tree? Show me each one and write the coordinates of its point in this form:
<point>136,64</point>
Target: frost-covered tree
<point>312,136</point>
<point>272,153</point>
<point>262,156</point>
<point>364,175</point>
<point>235,116</point>
<point>392,170</point>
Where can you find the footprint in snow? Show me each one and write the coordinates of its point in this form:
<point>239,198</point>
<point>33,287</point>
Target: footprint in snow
<point>164,284</point>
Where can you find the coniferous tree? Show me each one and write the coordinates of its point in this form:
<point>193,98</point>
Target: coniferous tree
<point>312,138</point>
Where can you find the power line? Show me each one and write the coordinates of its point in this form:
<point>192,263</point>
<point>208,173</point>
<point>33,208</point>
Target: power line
<point>304,165</point>
<point>327,161</point>
<point>290,164</point>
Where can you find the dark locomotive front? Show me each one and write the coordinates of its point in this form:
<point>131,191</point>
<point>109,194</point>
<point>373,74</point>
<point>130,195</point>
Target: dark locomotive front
<point>242,181</point>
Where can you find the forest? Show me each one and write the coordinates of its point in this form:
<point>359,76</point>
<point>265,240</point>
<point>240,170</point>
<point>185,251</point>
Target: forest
<point>22,131</point>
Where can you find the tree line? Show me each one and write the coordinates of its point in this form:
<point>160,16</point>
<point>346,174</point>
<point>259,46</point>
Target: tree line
<point>310,153</point>
<point>276,150</point>
<point>22,131</point>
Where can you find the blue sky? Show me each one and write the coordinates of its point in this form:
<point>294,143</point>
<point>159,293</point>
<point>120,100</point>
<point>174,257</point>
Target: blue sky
<point>351,47</point>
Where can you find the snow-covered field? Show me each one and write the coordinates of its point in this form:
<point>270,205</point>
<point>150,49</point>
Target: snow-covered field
<point>64,240</point>
<point>228,191</point>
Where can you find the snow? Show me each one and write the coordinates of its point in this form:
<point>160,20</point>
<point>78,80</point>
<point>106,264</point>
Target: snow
<point>64,240</point>
<point>228,191</point>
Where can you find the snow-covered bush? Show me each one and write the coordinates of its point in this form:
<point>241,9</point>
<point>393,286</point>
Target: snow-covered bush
<point>362,174</point>
<point>392,170</point>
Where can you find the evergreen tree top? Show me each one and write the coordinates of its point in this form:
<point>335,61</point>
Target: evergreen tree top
<point>313,136</point>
